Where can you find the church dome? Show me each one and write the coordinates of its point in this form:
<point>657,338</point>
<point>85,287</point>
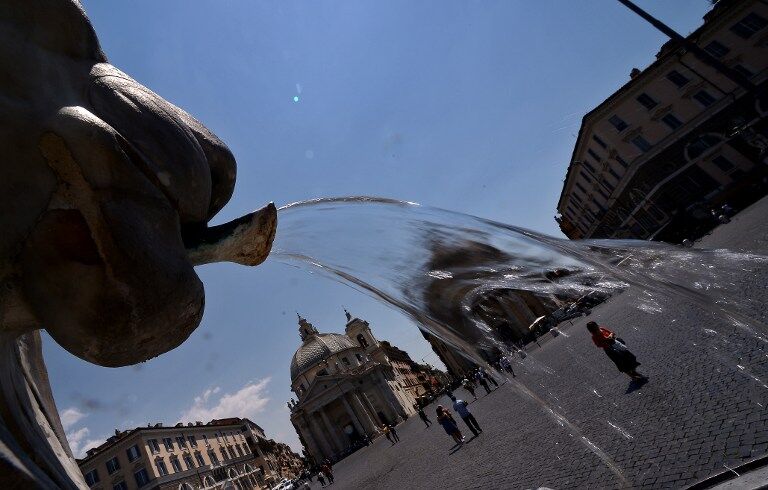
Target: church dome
<point>317,347</point>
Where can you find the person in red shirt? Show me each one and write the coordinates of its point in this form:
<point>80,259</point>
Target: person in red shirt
<point>616,350</point>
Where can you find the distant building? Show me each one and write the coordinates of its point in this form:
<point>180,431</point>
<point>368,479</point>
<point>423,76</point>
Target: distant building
<point>677,139</point>
<point>274,459</point>
<point>408,370</point>
<point>227,453</point>
<point>347,387</point>
<point>458,364</point>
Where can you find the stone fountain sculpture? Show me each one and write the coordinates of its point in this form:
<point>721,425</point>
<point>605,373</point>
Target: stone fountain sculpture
<point>106,193</point>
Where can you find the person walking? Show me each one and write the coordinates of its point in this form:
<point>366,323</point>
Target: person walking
<point>393,431</point>
<point>488,377</point>
<point>445,419</point>
<point>460,406</point>
<point>326,469</point>
<point>616,350</point>
<point>423,416</point>
<point>387,432</point>
<point>507,365</point>
<point>482,381</point>
<point>469,387</point>
<point>321,479</point>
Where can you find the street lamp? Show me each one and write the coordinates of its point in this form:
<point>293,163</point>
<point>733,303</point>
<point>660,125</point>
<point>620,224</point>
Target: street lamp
<point>707,58</point>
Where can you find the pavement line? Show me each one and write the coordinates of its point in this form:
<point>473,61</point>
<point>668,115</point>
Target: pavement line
<point>564,422</point>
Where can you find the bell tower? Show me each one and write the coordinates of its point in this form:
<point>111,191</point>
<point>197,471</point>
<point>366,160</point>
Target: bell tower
<point>306,329</point>
<point>360,332</point>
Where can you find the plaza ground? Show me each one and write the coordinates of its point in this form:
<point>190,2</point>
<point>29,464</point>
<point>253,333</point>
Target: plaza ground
<point>570,420</point>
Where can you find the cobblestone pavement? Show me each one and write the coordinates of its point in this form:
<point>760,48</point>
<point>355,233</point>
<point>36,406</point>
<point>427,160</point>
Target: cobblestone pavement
<point>570,420</point>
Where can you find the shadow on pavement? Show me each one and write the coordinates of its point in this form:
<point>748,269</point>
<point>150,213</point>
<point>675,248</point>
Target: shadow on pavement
<point>455,448</point>
<point>636,384</point>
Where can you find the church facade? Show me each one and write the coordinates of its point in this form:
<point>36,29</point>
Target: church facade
<point>345,387</point>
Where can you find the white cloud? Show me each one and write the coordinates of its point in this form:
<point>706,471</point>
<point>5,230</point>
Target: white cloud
<point>70,417</point>
<point>248,401</point>
<point>80,443</point>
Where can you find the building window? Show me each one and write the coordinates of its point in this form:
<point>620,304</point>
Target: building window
<point>359,357</point>
<point>181,442</point>
<point>614,174</point>
<point>672,121</point>
<point>602,193</point>
<point>199,458</point>
<point>345,361</point>
<point>237,450</point>
<point>641,143</point>
<point>723,163</point>
<point>120,486</point>
<point>743,71</point>
<point>581,188</point>
<point>621,161</point>
<point>716,49</point>
<point>700,145</point>
<point>677,78</point>
<point>594,155</point>
<point>113,465</point>
<point>245,449</point>
<point>608,186</point>
<point>133,453</point>
<point>141,477</point>
<point>168,442</point>
<point>703,98</point>
<point>212,456</point>
<point>192,441</point>
<point>189,462</point>
<point>92,477</point>
<point>154,446</point>
<point>749,25</point>
<point>618,123</point>
<point>205,438</point>
<point>585,176</point>
<point>176,465</point>
<point>646,101</point>
<point>361,340</point>
<point>161,468</point>
<point>576,197</point>
<point>599,141</point>
<point>601,210</point>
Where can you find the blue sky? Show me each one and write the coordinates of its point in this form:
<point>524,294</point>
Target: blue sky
<point>465,105</point>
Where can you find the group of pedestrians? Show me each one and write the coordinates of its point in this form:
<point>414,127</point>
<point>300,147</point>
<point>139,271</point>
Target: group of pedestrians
<point>390,432</point>
<point>479,377</point>
<point>446,420</point>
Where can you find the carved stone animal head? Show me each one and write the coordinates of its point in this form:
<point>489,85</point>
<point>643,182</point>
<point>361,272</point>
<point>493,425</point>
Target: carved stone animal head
<point>106,191</point>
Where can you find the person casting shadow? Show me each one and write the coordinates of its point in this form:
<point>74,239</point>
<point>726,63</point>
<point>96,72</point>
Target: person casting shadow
<point>616,350</point>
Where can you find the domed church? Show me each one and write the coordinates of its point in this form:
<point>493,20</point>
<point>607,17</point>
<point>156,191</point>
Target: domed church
<point>346,389</point>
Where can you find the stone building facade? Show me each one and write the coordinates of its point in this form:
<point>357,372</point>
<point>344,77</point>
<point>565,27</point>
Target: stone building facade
<point>409,372</point>
<point>678,139</point>
<point>222,454</point>
<point>346,388</point>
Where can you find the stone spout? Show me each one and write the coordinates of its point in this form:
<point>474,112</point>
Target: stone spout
<point>246,240</point>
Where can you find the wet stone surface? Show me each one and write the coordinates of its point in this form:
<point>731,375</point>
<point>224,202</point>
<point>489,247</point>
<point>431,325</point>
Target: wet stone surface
<point>702,411</point>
